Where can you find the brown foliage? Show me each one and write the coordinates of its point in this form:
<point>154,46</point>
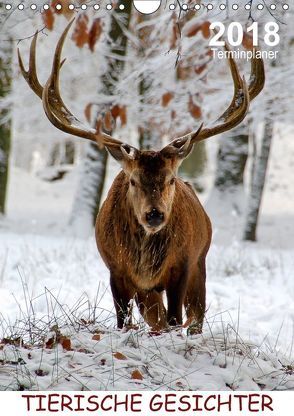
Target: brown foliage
<point>81,34</point>
<point>194,109</point>
<point>166,98</point>
<point>94,33</point>
<point>87,112</point>
<point>247,41</point>
<point>137,375</point>
<point>197,27</point>
<point>48,19</point>
<point>123,115</point>
<point>108,121</point>
<point>119,356</point>
<point>65,11</point>
<point>175,35</point>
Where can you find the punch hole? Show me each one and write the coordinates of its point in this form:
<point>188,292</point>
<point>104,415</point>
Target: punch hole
<point>222,6</point>
<point>235,6</point>
<point>172,6</point>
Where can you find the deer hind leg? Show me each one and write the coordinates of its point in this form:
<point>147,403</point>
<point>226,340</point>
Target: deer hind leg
<point>121,297</point>
<point>195,299</point>
<point>152,309</point>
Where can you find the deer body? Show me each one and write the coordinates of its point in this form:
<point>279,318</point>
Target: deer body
<point>152,231</point>
<point>142,265</point>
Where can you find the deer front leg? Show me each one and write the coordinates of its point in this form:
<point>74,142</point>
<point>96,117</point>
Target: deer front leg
<point>175,292</point>
<point>195,298</point>
<point>150,304</point>
<point>121,298</point>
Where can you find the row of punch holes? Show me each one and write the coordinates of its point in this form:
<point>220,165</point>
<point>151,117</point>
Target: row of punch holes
<point>171,6</point>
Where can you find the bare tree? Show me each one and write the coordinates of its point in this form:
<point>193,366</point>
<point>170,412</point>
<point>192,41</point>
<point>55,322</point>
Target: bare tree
<point>258,182</point>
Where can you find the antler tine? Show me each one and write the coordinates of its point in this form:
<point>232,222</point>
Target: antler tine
<point>31,75</point>
<point>238,108</point>
<point>54,107</point>
<point>257,76</point>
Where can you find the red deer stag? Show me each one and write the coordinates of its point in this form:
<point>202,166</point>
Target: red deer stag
<point>151,231</point>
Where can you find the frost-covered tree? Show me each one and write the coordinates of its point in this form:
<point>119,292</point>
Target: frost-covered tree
<point>93,169</point>
<point>5,120</point>
<point>277,105</point>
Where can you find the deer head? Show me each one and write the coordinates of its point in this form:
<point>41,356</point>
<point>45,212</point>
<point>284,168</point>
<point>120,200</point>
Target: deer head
<point>152,176</point>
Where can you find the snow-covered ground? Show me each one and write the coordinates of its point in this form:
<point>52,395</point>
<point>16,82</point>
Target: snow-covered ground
<point>50,280</point>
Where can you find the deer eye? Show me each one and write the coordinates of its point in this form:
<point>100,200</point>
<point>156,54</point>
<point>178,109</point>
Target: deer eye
<point>172,181</point>
<point>132,182</point>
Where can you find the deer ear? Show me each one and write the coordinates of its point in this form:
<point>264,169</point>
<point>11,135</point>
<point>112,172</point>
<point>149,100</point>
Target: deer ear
<point>179,148</point>
<point>122,152</point>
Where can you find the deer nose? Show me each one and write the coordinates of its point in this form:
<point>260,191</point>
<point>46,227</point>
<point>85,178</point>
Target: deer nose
<point>154,217</point>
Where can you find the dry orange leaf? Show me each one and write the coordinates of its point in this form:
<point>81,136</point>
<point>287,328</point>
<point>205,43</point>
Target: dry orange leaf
<point>175,36</point>
<point>166,98</point>
<point>66,343</point>
<point>119,356</point>
<point>96,337</point>
<point>115,110</point>
<point>108,121</point>
<point>193,30</point>
<point>123,115</point>
<point>194,109</point>
<point>87,112</point>
<point>205,29</point>
<point>65,11</point>
<point>48,19</point>
<point>98,125</point>
<point>50,343</point>
<point>80,35</point>
<point>200,69</point>
<point>247,41</point>
<point>136,375</point>
<point>94,34</point>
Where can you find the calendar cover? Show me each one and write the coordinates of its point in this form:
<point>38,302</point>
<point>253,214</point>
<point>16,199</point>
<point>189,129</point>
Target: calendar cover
<point>146,207</point>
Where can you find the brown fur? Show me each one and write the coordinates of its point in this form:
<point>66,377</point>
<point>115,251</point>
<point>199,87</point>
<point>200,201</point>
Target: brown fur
<point>144,264</point>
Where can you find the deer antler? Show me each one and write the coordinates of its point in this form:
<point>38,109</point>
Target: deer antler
<point>239,106</point>
<point>55,109</point>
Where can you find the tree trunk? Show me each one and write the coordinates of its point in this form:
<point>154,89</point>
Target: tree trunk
<point>193,167</point>
<point>5,123</point>
<point>258,182</point>
<point>93,170</point>
<point>231,160</point>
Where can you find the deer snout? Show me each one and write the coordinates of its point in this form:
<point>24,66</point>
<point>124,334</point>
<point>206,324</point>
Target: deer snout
<point>154,218</point>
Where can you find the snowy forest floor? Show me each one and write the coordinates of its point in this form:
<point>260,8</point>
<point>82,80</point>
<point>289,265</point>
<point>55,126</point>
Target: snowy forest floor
<point>57,317</point>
